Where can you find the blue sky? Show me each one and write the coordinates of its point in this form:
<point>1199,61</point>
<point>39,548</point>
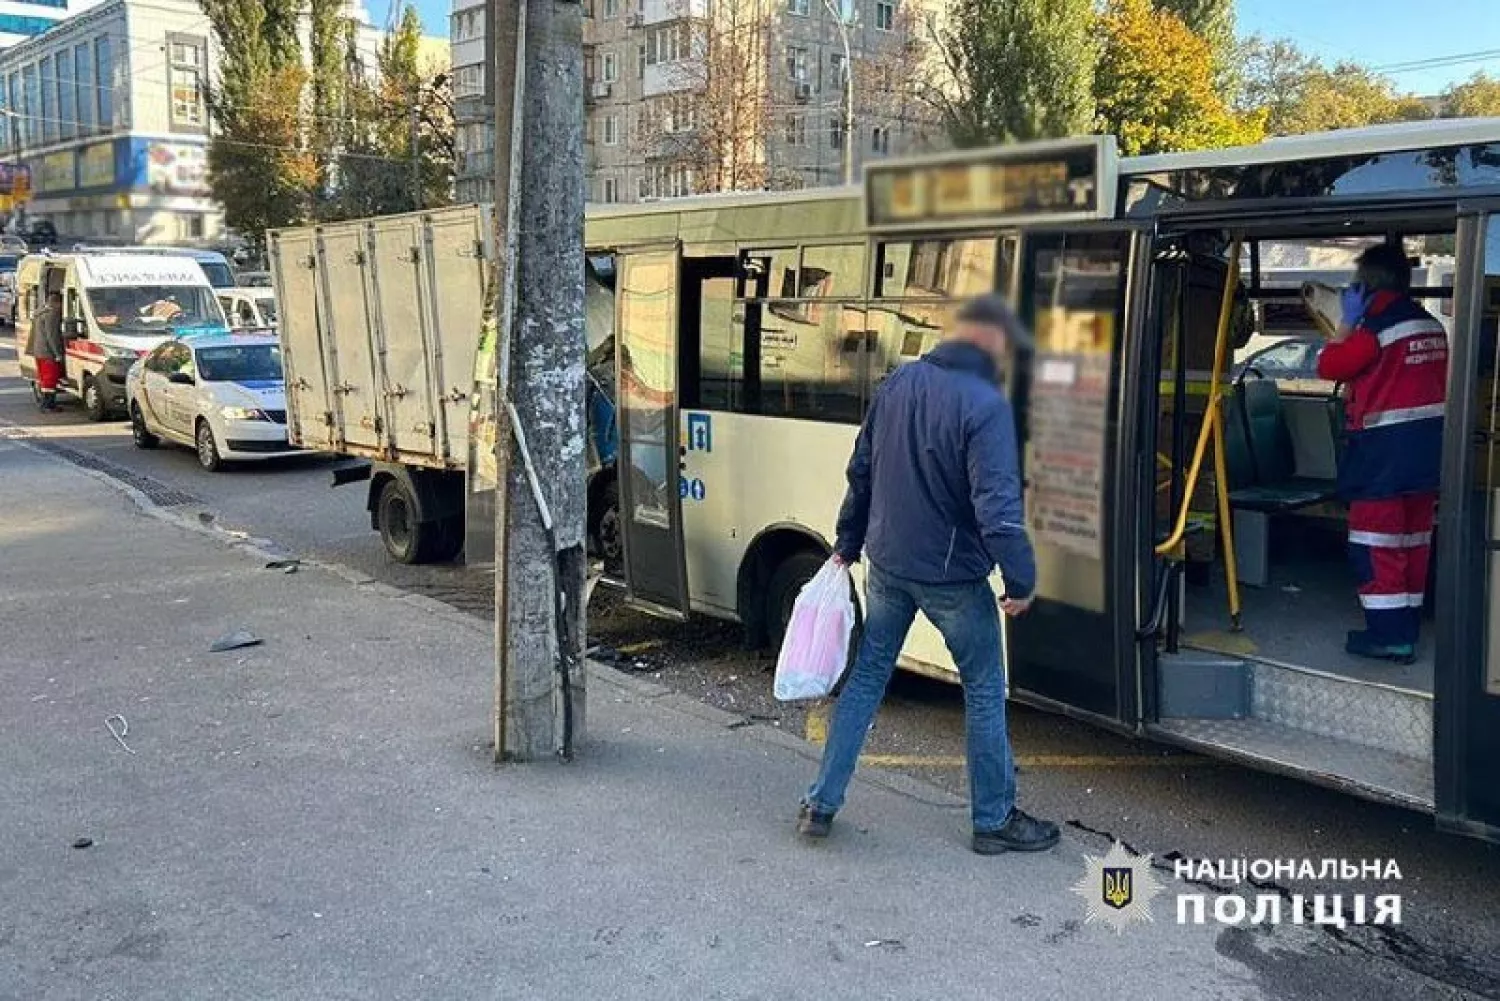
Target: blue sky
<point>1384,32</point>
<point>1372,32</point>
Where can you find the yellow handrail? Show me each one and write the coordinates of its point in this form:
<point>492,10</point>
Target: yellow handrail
<point>1213,424</point>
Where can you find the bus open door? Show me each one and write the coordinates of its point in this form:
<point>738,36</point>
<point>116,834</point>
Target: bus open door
<point>649,463</point>
<point>1466,686</point>
<point>1076,649</point>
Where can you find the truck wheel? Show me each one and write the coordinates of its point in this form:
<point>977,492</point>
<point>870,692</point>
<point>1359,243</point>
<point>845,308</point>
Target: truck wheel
<point>93,400</point>
<point>607,530</point>
<point>406,539</point>
<point>786,583</point>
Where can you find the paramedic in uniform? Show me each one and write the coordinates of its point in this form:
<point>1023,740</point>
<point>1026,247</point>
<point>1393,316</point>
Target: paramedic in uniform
<point>1393,357</point>
<point>46,345</point>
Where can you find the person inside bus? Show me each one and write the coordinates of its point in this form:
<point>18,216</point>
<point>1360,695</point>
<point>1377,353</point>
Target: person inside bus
<point>934,502</point>
<point>1392,356</point>
<point>46,346</point>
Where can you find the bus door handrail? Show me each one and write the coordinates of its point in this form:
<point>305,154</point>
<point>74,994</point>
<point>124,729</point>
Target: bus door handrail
<point>1213,424</point>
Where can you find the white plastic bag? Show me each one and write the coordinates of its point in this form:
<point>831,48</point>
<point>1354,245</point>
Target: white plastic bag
<point>815,649</point>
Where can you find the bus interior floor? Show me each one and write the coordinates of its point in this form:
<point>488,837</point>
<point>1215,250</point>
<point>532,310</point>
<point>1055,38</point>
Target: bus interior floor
<point>1301,619</point>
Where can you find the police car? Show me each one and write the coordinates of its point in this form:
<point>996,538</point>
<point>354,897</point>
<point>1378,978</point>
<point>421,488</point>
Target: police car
<point>220,394</point>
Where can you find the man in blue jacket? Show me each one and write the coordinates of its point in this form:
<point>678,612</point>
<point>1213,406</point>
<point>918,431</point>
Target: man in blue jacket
<point>934,501</point>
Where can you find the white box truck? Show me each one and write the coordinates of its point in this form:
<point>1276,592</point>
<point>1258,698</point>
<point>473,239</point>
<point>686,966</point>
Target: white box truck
<point>380,324</point>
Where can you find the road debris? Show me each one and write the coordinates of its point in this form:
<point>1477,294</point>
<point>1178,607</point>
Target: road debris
<point>236,640</point>
<point>121,733</point>
<point>83,843</point>
<point>285,566</point>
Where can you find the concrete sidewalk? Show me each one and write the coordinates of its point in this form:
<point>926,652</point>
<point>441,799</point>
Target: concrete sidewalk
<point>318,817</point>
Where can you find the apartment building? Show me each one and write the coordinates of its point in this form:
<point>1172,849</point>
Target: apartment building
<point>689,96</point>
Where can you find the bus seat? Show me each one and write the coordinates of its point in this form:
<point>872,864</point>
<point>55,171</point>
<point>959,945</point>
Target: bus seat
<point>1261,465</point>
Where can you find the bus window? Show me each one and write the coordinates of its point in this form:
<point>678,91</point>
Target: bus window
<point>903,332</point>
<point>770,272</point>
<point>836,272</point>
<point>937,269</point>
<point>810,361</point>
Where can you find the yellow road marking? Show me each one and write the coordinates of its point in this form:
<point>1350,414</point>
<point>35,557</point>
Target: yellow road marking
<point>817,725</point>
<point>816,731</point>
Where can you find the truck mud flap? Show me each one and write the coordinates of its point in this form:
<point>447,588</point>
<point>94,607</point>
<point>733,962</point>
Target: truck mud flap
<point>352,472</point>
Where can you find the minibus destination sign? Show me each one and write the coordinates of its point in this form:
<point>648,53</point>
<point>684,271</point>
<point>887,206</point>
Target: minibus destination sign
<point>1069,179</point>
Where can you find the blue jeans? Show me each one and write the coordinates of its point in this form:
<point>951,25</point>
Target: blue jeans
<point>969,619</point>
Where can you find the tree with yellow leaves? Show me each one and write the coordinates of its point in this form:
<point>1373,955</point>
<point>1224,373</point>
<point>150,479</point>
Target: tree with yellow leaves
<point>1154,86</point>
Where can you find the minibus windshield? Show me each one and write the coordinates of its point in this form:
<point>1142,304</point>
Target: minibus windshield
<point>154,309</point>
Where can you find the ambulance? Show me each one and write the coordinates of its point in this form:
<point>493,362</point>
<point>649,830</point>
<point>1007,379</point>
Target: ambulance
<point>116,308</point>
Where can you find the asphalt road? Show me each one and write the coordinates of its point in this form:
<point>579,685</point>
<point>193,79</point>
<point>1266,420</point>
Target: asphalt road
<point>1155,800</point>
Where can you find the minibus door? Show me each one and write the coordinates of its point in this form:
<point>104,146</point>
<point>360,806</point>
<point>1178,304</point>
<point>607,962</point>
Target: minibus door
<point>1466,692</point>
<point>1077,289</point>
<point>650,462</point>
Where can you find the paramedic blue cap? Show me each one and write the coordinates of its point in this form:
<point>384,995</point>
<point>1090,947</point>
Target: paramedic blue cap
<point>993,311</point>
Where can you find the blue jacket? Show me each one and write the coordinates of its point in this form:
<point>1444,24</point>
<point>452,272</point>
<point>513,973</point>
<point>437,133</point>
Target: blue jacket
<point>935,484</point>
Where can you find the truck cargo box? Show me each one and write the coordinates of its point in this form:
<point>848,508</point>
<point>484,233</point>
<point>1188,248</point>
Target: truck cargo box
<point>380,321</point>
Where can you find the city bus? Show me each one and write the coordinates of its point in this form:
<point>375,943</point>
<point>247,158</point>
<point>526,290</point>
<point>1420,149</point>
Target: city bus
<point>1193,583</point>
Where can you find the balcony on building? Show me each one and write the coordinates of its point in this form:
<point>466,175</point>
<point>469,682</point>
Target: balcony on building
<point>660,11</point>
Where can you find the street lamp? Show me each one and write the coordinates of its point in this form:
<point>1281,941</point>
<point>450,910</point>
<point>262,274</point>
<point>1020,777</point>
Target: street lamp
<point>848,92</point>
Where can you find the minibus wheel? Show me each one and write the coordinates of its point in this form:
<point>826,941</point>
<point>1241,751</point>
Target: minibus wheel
<point>786,583</point>
<point>93,400</point>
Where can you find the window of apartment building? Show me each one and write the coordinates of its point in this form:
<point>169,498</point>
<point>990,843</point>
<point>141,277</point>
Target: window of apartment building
<point>468,24</point>
<point>88,105</point>
<point>612,130</point>
<point>796,63</point>
<point>836,132</point>
<point>880,139</point>
<point>104,76</point>
<point>669,44</point>
<point>796,130</point>
<point>468,81</point>
<point>801,8</point>
<point>67,96</point>
<point>609,190</point>
<point>837,71</point>
<point>640,62</point>
<point>611,8</point>
<point>609,67</point>
<point>684,113</point>
<point>885,15</point>
<point>846,11</point>
<point>186,65</point>
<point>190,226</point>
<point>31,103</point>
<point>49,100</point>
<point>9,91</point>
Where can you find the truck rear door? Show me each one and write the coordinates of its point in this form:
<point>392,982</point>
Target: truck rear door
<point>314,417</point>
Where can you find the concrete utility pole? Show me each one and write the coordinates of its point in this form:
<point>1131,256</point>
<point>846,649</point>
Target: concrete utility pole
<point>540,560</point>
